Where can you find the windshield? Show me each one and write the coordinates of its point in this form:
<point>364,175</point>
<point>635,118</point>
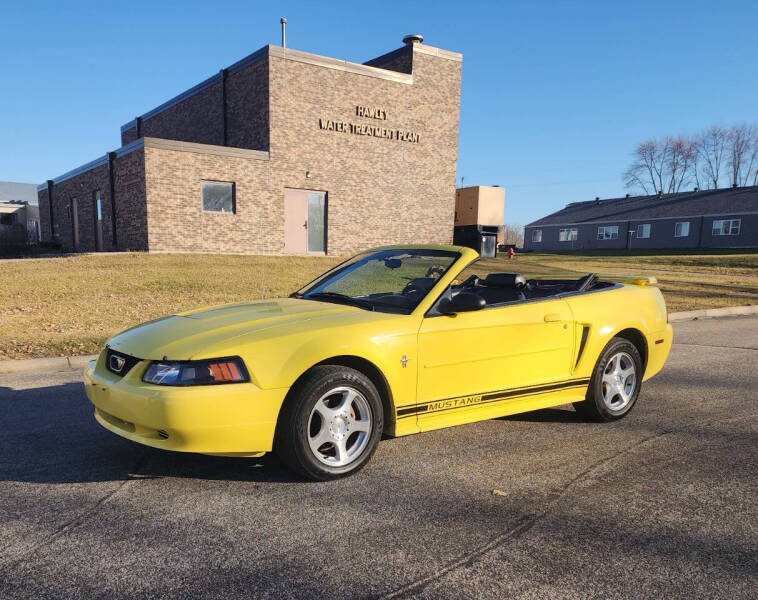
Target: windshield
<point>386,280</point>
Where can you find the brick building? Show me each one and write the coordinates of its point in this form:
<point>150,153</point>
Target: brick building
<point>282,152</point>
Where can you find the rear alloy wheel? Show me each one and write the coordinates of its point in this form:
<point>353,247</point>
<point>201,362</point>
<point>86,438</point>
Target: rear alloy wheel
<point>331,423</point>
<point>615,383</point>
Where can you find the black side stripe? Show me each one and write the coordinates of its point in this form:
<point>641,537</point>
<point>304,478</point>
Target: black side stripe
<point>491,397</point>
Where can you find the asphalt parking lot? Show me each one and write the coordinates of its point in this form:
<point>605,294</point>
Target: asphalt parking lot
<point>541,505</point>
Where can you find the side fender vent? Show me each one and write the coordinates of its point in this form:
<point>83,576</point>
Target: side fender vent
<point>582,344</point>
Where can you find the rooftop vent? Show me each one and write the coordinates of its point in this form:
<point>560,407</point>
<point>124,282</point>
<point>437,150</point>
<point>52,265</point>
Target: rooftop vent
<point>660,193</point>
<point>697,189</point>
<point>413,38</point>
<point>628,195</point>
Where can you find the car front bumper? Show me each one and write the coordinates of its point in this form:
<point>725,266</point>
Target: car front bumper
<point>230,419</point>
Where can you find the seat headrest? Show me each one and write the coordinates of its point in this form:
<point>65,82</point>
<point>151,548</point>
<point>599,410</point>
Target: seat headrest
<point>512,280</point>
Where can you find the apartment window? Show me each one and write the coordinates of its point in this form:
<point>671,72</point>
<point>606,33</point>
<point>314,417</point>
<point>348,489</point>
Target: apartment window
<point>727,227</point>
<point>218,196</point>
<point>7,219</point>
<point>643,231</point>
<point>568,235</point>
<point>608,232</point>
<point>682,229</point>
<point>536,235</point>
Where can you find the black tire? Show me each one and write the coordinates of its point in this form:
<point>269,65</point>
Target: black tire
<point>299,414</point>
<point>595,407</point>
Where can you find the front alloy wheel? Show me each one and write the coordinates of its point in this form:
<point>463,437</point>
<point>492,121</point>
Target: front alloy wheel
<point>330,424</point>
<point>619,381</point>
<point>615,383</point>
<point>340,425</point>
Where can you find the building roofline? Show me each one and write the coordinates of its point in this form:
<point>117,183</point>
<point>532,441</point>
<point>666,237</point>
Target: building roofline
<point>632,206</point>
<point>641,219</point>
<point>340,65</point>
<point>93,164</point>
<point>163,144</point>
<point>304,57</point>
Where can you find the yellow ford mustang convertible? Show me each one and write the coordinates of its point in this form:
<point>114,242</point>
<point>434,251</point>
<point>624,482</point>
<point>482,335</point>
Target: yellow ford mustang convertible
<point>394,341</point>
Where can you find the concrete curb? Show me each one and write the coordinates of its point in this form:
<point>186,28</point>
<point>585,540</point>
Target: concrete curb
<point>58,363</point>
<point>709,313</point>
<point>65,363</point>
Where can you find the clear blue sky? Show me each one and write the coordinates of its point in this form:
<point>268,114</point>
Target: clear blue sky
<point>555,95</point>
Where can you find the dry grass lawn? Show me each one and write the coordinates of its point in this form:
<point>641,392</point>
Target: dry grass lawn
<point>72,305</point>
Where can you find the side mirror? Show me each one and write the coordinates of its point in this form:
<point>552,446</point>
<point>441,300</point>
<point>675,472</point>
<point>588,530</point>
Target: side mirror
<point>461,302</point>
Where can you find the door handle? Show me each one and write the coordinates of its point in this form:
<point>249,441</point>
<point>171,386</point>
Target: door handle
<point>305,225</point>
<point>552,318</point>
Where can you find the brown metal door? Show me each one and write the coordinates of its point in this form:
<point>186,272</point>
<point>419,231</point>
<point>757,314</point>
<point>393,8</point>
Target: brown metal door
<point>75,223</point>
<point>295,221</point>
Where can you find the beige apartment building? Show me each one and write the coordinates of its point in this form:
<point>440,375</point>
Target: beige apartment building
<point>282,152</point>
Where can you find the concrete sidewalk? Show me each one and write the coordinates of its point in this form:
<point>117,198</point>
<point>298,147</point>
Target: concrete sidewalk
<point>63,363</point>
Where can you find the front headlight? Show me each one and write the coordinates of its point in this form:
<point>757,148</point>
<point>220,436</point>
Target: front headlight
<point>197,372</point>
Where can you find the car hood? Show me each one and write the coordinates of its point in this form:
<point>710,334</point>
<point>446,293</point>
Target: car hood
<point>196,333</point>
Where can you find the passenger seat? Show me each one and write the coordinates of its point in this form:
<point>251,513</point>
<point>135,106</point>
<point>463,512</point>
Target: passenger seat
<point>502,287</point>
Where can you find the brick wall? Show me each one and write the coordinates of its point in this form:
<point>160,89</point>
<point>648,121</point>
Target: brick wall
<point>400,60</point>
<point>131,216</point>
<point>247,97</point>
<point>44,215</point>
<point>128,136</point>
<point>81,189</point>
<point>194,119</point>
<point>131,209</point>
<point>199,117</point>
<point>176,220</point>
<point>380,191</point>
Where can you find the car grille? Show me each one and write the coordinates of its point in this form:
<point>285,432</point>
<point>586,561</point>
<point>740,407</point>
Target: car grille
<point>119,363</point>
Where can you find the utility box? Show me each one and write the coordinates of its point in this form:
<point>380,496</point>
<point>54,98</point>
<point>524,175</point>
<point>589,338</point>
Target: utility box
<point>479,212</point>
<point>479,205</point>
<point>482,238</point>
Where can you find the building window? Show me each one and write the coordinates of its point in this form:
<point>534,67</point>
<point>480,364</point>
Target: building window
<point>568,235</point>
<point>536,235</point>
<point>682,229</point>
<point>218,196</point>
<point>727,227</point>
<point>643,231</point>
<point>608,232</point>
<point>7,219</point>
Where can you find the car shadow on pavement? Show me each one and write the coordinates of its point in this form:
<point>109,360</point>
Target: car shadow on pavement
<point>547,415</point>
<point>49,435</point>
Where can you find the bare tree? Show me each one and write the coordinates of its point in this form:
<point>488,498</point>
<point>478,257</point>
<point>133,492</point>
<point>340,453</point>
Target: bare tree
<point>738,149</point>
<point>669,164</point>
<point>662,165</point>
<point>680,162</point>
<point>514,234</point>
<point>710,154</point>
<point>644,172</point>
<point>745,137</point>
